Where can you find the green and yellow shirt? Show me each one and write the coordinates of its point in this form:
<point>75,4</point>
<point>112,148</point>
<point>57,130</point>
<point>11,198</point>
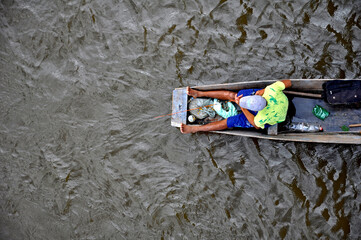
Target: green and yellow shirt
<point>277,106</point>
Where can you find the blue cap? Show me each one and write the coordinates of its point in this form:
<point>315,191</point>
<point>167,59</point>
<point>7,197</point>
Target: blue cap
<point>253,103</point>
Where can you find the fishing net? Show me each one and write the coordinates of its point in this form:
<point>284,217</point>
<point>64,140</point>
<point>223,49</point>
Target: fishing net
<point>202,108</point>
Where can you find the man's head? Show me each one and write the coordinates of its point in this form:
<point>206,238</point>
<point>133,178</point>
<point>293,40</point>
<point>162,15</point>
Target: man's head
<point>253,103</point>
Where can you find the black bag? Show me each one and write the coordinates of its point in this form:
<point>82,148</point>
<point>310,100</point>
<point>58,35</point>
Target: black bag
<point>338,92</point>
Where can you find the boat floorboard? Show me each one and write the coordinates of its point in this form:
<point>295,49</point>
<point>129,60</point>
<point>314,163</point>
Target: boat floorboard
<point>301,110</point>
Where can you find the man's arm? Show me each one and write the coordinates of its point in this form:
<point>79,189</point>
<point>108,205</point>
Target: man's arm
<point>287,83</point>
<point>250,117</point>
<point>260,92</point>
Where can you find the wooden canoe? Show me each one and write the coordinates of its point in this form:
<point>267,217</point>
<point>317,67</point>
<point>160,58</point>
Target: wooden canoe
<point>303,96</point>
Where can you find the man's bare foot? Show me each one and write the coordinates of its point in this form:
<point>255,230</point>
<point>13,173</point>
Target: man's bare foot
<point>186,128</point>
<point>192,92</point>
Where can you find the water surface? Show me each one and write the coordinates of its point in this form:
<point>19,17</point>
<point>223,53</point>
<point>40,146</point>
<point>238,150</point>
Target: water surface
<point>81,156</point>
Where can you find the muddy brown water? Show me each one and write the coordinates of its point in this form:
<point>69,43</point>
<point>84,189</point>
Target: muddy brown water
<point>81,156</point>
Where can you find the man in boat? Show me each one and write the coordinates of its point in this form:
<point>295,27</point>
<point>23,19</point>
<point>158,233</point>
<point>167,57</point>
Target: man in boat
<point>269,107</point>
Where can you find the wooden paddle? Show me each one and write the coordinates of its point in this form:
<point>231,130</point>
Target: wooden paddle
<point>303,94</point>
<point>355,125</point>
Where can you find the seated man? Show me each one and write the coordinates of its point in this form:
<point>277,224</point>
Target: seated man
<point>272,108</point>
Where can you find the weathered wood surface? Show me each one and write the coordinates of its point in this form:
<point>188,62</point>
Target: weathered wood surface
<point>273,130</point>
<point>339,115</point>
<point>303,94</point>
<point>303,85</point>
<point>179,107</point>
<point>339,138</point>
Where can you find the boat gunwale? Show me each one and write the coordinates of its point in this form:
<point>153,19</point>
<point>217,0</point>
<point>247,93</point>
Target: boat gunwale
<point>333,137</point>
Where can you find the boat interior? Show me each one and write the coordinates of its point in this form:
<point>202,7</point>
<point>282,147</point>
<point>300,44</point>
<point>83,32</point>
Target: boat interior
<point>300,111</point>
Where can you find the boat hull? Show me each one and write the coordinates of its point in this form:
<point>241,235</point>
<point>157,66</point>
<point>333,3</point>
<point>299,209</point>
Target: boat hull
<point>308,86</point>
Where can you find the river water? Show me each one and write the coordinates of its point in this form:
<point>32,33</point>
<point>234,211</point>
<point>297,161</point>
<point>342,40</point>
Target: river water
<point>83,158</point>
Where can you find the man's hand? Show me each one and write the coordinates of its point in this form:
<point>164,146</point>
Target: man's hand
<point>260,92</point>
<point>237,98</point>
<point>287,83</point>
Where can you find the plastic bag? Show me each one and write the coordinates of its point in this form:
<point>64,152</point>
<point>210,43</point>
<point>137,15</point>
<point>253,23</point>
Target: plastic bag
<point>320,112</point>
<point>225,113</point>
<point>202,108</point>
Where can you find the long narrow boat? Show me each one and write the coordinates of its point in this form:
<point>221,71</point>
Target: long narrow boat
<point>303,95</point>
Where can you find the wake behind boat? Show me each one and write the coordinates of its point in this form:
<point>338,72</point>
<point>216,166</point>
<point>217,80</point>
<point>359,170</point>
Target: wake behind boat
<point>341,126</point>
